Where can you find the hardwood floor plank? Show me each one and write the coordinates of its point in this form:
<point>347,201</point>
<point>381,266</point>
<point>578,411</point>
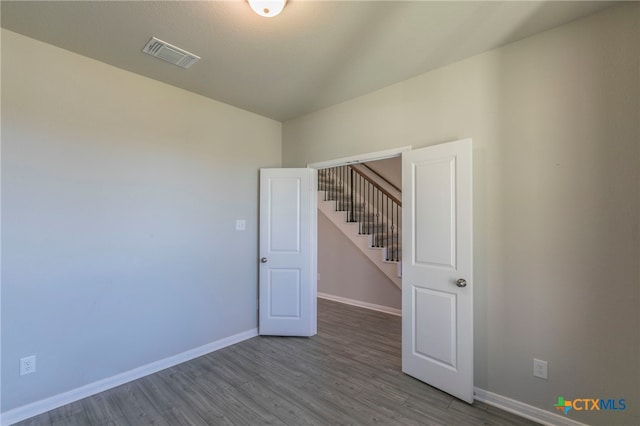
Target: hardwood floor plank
<point>261,392</point>
<point>70,410</point>
<point>215,400</point>
<point>393,408</point>
<point>315,406</point>
<point>40,420</point>
<point>348,374</point>
<point>168,403</point>
<point>135,406</point>
<point>101,409</point>
<point>353,409</point>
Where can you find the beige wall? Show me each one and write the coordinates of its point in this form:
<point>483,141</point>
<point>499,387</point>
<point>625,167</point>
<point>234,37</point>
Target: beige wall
<point>390,169</point>
<point>346,272</point>
<point>554,121</point>
<point>119,200</point>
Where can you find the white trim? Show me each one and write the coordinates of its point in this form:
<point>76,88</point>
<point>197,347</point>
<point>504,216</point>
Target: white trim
<point>366,305</point>
<point>361,158</point>
<point>523,410</point>
<point>313,250</point>
<point>44,405</point>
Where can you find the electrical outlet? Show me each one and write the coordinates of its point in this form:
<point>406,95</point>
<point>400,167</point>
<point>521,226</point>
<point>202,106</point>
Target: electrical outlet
<point>540,369</point>
<point>27,365</point>
<point>241,225</point>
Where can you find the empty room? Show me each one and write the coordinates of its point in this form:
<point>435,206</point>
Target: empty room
<point>320,212</point>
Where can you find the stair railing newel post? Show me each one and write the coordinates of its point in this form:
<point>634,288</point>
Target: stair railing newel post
<point>338,187</point>
<point>399,237</point>
<point>363,207</point>
<point>386,205</point>
<point>394,218</point>
<point>342,191</point>
<point>368,202</point>
<point>378,221</point>
<point>395,246</point>
<point>328,177</point>
<point>360,211</point>
<point>329,183</point>
<point>334,187</point>
<point>341,187</point>
<point>351,213</point>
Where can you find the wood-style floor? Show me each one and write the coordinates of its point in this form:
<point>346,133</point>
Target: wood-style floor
<point>348,374</point>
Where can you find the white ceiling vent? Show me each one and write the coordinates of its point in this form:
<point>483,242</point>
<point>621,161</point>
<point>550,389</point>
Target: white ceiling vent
<point>170,53</point>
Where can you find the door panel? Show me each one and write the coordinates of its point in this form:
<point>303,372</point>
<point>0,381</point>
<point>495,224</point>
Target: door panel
<point>435,344</point>
<point>287,253</point>
<point>437,313</point>
<point>284,293</point>
<point>284,215</point>
<point>435,208</point>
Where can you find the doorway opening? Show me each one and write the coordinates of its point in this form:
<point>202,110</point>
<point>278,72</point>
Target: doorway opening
<point>359,246</point>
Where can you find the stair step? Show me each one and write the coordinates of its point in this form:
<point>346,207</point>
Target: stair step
<point>375,227</point>
<point>329,183</point>
<point>339,200</point>
<point>330,187</point>
<point>363,216</point>
<point>394,246</point>
<point>347,206</point>
<point>394,255</point>
<point>383,239</point>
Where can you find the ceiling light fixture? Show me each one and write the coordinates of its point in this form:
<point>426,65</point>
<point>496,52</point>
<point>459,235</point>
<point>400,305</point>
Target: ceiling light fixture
<point>267,8</point>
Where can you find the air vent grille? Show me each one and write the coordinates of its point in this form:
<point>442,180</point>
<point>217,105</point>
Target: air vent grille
<point>170,53</point>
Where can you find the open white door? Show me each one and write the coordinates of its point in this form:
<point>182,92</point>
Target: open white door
<point>437,283</point>
<point>288,286</point>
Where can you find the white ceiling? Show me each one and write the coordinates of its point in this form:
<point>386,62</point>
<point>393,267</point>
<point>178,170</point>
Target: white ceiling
<point>315,54</point>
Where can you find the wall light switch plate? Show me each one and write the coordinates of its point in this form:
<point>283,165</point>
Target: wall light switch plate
<point>27,365</point>
<point>540,369</point>
<point>241,225</point>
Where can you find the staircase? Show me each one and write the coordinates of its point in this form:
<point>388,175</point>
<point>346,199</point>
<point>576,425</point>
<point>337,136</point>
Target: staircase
<point>367,214</point>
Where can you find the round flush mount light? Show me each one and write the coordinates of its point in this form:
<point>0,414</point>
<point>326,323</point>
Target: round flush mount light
<point>267,8</point>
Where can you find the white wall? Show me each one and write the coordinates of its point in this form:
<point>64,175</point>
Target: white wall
<point>348,273</point>
<point>119,200</point>
<point>555,124</point>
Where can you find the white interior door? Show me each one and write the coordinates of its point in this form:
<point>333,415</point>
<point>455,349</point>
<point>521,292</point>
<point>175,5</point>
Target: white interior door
<point>288,286</point>
<point>437,282</point>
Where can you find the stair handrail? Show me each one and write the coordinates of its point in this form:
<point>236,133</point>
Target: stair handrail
<point>387,181</point>
<point>376,185</point>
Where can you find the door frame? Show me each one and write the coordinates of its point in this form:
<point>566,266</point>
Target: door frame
<point>360,158</point>
<point>344,161</point>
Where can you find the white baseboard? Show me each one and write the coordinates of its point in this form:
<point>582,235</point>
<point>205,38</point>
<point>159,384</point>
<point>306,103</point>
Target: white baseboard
<point>366,305</point>
<point>26,411</point>
<point>523,410</point>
